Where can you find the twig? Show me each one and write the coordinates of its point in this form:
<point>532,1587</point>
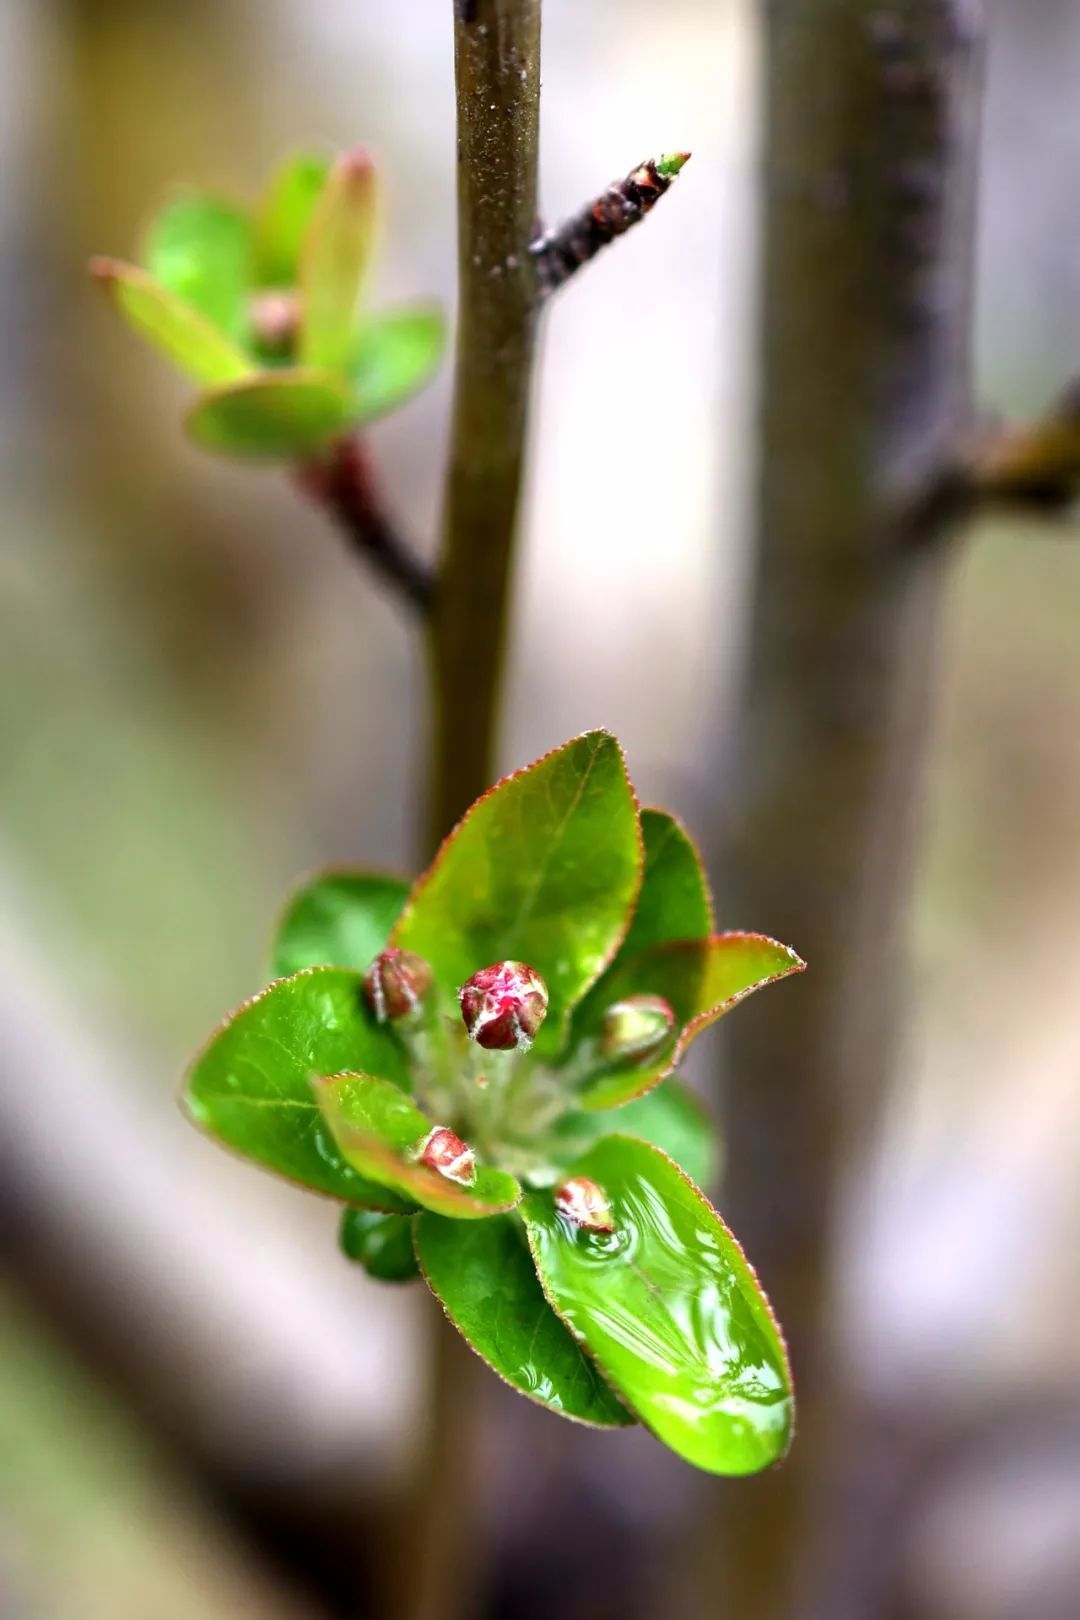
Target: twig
<point>343,482</point>
<point>560,254</point>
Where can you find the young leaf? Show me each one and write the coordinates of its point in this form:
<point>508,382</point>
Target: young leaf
<point>283,216</point>
<point>174,328</point>
<point>382,1244</point>
<point>701,979</point>
<point>251,1085</point>
<point>338,918</point>
<point>484,1278</point>
<point>379,1130</point>
<point>199,248</point>
<point>543,869</point>
<point>334,257</point>
<point>671,1311</point>
<point>395,355</point>
<point>670,1117</point>
<point>285,415</point>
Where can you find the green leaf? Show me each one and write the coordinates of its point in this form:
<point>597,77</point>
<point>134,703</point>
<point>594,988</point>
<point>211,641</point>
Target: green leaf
<point>378,1128</point>
<point>199,248</point>
<point>483,1276</point>
<point>251,1085</point>
<point>543,869</point>
<point>395,355</point>
<point>285,414</point>
<point>669,1116</point>
<point>283,216</point>
<point>335,255</point>
<point>174,328</point>
<point>670,1310</point>
<point>382,1244</point>
<point>342,918</point>
<point>702,979</point>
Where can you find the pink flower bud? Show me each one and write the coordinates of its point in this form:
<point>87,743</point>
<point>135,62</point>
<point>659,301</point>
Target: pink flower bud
<point>275,322</point>
<point>396,983</point>
<point>503,1006</point>
<point>585,1203</point>
<point>443,1150</point>
<point>636,1029</point>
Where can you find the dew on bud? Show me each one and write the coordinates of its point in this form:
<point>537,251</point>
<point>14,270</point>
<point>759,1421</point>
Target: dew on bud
<point>443,1150</point>
<point>396,983</point>
<point>636,1029</point>
<point>503,1006</point>
<point>584,1202</point>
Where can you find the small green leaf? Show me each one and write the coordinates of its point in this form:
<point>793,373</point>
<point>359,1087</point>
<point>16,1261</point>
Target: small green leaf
<point>333,260</point>
<point>669,1116</point>
<point>671,1311</point>
<point>338,918</point>
<point>276,414</point>
<point>251,1085</point>
<point>378,1129</point>
<point>199,248</point>
<point>543,869</point>
<point>395,355</point>
<point>174,328</point>
<point>382,1244</point>
<point>283,216</point>
<point>483,1276</point>
<point>701,979</point>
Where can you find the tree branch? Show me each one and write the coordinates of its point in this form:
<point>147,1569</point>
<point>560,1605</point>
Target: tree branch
<point>344,483</point>
<point>560,254</point>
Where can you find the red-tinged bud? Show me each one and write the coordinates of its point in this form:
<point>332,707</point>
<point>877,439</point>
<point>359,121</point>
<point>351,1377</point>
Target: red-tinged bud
<point>585,1203</point>
<point>275,322</point>
<point>636,1029</point>
<point>503,1006</point>
<point>443,1150</point>
<point>396,983</point>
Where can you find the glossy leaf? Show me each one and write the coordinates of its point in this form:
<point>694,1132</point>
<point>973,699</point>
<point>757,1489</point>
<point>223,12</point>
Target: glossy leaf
<point>251,1085</point>
<point>174,328</point>
<point>669,1308</point>
<point>284,215</point>
<point>543,869</point>
<point>395,355</point>
<point>382,1244</point>
<point>702,980</point>
<point>199,248</point>
<point>340,918</point>
<point>378,1129</point>
<point>484,1278</point>
<point>334,258</point>
<point>669,1116</point>
<point>279,415</point>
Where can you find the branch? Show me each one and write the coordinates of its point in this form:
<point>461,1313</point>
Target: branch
<point>560,254</point>
<point>497,63</point>
<point>343,482</point>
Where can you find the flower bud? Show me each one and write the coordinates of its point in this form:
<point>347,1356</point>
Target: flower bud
<point>275,323</point>
<point>503,1006</point>
<point>635,1030</point>
<point>443,1150</point>
<point>396,983</point>
<point>585,1203</point>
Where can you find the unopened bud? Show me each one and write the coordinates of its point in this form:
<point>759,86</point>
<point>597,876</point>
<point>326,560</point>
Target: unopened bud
<point>396,983</point>
<point>585,1203</point>
<point>443,1150</point>
<point>275,323</point>
<point>636,1029</point>
<point>503,1006</point>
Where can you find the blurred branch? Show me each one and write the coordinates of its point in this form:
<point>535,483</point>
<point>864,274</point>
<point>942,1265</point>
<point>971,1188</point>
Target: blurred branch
<point>344,483</point>
<point>871,133</point>
<point>561,253</point>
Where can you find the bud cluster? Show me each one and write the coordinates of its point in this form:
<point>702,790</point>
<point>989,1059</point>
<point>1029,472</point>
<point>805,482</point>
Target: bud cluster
<point>503,1006</point>
<point>396,983</point>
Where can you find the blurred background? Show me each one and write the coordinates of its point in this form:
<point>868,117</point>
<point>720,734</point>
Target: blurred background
<point>204,1410</point>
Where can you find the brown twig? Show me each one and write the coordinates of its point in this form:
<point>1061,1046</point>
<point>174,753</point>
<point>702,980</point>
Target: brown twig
<point>560,254</point>
<point>343,482</point>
